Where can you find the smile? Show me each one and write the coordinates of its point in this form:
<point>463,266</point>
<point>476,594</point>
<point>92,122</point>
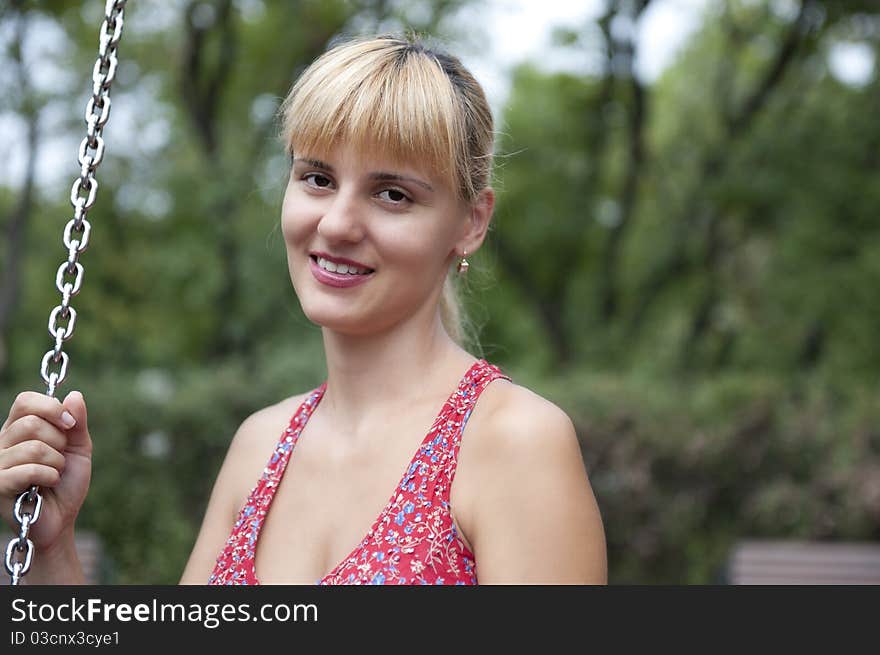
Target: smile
<point>338,275</point>
<point>348,269</point>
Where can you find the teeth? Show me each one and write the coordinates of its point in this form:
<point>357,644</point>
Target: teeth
<point>340,268</point>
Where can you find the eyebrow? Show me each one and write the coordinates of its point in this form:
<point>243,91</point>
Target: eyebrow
<point>316,163</point>
<point>396,177</point>
<point>378,175</point>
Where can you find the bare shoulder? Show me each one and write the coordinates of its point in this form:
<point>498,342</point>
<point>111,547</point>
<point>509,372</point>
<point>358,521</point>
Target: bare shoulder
<point>520,406</point>
<point>528,506</point>
<point>259,432</point>
<point>277,415</point>
<point>519,423</point>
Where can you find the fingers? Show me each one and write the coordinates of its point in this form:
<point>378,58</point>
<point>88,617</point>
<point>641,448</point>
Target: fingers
<point>32,442</point>
<point>18,478</point>
<point>32,427</point>
<point>28,463</point>
<point>38,404</point>
<point>31,452</point>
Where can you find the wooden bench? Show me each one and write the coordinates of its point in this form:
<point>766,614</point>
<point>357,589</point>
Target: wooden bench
<point>783,562</point>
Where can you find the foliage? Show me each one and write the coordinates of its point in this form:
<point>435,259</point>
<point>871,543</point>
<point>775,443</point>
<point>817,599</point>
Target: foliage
<point>701,282</point>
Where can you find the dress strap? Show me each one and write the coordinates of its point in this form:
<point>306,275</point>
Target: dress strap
<point>463,403</point>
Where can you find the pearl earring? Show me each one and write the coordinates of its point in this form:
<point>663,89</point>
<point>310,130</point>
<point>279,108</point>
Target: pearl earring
<point>463,264</point>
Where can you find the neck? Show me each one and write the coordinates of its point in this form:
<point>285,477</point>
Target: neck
<point>372,377</point>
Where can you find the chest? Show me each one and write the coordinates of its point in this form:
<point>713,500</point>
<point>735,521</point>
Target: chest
<point>335,505</point>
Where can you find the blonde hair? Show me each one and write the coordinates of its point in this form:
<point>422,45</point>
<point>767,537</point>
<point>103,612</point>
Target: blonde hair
<point>397,97</point>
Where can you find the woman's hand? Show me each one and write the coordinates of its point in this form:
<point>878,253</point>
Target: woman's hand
<point>46,442</point>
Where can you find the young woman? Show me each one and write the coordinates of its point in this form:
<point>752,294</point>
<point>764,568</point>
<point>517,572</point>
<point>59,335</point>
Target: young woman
<point>391,155</point>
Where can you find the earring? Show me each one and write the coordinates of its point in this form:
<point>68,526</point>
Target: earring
<point>463,264</point>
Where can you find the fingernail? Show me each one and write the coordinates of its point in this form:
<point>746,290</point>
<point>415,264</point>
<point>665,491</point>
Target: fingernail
<point>67,419</point>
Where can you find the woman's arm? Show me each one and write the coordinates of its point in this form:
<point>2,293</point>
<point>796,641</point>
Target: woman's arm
<point>248,453</point>
<point>218,519</point>
<point>535,520</point>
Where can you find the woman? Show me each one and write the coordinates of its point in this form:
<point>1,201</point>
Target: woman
<point>391,155</point>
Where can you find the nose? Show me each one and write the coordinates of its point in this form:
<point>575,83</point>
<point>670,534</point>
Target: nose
<point>343,219</point>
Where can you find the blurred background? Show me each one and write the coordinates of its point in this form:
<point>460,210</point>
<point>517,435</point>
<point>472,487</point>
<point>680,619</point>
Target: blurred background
<point>686,252</point>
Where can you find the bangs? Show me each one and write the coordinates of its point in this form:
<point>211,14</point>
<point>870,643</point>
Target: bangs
<point>383,98</point>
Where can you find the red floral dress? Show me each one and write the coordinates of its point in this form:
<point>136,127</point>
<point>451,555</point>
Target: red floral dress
<point>413,540</point>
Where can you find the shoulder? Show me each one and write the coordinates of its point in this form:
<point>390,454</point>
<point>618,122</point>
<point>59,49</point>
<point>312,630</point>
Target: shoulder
<point>530,510</point>
<point>260,424</point>
<point>518,423</point>
<point>252,445</point>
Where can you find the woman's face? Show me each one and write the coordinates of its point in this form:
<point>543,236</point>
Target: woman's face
<point>393,226</point>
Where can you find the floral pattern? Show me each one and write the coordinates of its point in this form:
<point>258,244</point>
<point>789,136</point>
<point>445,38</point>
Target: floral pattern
<point>413,540</point>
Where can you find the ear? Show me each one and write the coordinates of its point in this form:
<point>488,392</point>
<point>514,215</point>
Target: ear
<point>477,224</point>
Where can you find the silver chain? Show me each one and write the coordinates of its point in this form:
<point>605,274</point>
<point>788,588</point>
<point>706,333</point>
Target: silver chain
<point>20,550</point>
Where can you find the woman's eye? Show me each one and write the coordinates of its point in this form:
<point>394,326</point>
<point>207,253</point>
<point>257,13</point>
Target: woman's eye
<point>393,195</point>
<point>317,180</point>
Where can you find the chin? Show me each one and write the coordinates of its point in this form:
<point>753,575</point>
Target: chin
<point>351,323</point>
<point>340,320</point>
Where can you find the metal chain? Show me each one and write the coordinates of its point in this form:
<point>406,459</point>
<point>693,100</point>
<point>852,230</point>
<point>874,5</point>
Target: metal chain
<point>20,550</point>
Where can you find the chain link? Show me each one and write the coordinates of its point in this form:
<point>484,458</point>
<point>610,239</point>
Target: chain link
<point>20,550</point>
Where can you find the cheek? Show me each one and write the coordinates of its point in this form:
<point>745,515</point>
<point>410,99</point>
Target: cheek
<point>296,218</point>
<point>424,241</point>
<point>408,244</point>
<point>408,251</point>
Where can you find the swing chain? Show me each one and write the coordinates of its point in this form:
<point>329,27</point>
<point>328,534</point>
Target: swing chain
<point>20,550</point>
